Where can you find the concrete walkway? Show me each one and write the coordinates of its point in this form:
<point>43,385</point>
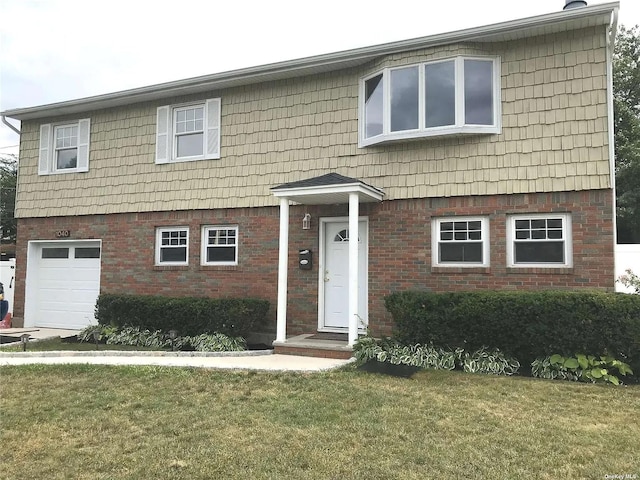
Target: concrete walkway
<point>251,360</point>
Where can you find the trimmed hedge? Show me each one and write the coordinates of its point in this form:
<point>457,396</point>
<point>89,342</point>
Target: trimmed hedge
<point>189,315</point>
<point>523,324</point>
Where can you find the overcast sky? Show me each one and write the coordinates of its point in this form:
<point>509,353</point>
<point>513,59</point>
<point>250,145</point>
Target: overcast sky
<point>56,50</point>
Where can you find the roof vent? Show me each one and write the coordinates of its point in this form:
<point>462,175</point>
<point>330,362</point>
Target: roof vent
<point>574,4</point>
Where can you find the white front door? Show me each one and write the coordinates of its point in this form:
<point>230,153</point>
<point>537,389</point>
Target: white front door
<point>334,281</point>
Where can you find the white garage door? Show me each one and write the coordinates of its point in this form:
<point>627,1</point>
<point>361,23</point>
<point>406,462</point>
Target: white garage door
<point>66,284</point>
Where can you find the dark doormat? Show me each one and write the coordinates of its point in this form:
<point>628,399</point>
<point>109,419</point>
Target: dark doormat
<point>329,336</point>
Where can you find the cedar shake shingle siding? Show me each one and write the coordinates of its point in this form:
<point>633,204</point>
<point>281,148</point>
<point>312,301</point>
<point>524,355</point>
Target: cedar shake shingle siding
<point>554,138</point>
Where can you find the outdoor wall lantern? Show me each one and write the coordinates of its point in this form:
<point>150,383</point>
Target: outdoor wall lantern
<point>173,334</point>
<point>306,221</point>
<point>24,338</point>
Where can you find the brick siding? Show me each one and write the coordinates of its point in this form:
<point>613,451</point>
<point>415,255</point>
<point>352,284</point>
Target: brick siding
<point>399,251</point>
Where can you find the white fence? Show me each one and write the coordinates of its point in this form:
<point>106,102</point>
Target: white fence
<point>627,256</point>
<point>8,279</point>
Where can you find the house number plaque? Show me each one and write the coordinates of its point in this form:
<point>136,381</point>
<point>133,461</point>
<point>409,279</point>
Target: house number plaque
<point>63,233</point>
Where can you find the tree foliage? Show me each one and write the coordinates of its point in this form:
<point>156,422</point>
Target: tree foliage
<point>8,182</point>
<point>626,103</point>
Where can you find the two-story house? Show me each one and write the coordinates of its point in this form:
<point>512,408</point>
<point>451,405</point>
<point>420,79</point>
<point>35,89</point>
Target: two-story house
<point>476,159</point>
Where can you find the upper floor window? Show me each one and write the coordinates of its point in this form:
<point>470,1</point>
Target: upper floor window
<point>459,95</point>
<point>219,245</point>
<point>64,147</point>
<point>188,132</point>
<point>172,246</point>
<point>540,240</point>
<point>460,242</point>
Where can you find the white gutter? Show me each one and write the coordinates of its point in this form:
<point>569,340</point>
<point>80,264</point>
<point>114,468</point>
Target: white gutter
<point>4,120</point>
<point>310,65</point>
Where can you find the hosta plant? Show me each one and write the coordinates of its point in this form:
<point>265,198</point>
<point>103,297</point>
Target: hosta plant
<point>216,342</point>
<point>134,336</point>
<point>492,361</point>
<point>581,368</point>
<point>429,356</point>
<point>103,331</point>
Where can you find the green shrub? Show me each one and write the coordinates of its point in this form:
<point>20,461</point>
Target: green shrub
<point>188,315</point>
<point>526,325</point>
<point>583,368</point>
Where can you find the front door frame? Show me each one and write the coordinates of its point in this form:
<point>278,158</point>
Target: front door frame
<point>323,221</point>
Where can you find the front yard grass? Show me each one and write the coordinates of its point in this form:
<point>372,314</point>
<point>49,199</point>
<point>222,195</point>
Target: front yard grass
<point>100,422</point>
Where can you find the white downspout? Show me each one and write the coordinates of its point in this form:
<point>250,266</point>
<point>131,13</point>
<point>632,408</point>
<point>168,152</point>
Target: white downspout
<point>4,120</point>
<point>283,257</point>
<point>353,267</point>
<point>611,37</point>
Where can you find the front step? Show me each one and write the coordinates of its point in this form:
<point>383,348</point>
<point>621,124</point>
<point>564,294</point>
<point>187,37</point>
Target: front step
<point>304,346</point>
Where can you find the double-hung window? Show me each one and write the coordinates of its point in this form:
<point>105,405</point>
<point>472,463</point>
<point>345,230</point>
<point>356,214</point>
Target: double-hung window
<point>451,96</point>
<point>172,246</point>
<point>188,125</point>
<point>64,148</point>
<point>188,131</point>
<point>65,144</point>
<point>460,242</point>
<point>540,240</point>
<point>219,245</point>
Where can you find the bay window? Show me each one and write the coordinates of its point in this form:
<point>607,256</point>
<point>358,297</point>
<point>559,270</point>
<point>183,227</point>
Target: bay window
<point>453,96</point>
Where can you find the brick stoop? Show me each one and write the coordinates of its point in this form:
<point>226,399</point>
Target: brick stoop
<point>304,346</point>
<point>312,352</point>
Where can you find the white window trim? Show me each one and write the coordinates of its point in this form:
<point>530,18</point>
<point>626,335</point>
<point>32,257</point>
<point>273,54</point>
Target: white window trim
<point>47,153</point>
<point>165,132</point>
<point>204,244</point>
<point>158,246</point>
<point>459,128</point>
<point>435,240</point>
<point>567,238</point>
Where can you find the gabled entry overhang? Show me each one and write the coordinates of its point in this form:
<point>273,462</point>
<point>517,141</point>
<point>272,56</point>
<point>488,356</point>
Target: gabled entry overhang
<point>331,188</point>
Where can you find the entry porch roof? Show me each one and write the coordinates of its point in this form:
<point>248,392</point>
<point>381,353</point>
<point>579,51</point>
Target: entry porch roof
<point>328,189</point>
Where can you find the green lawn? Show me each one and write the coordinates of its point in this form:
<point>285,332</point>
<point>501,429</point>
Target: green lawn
<point>98,422</point>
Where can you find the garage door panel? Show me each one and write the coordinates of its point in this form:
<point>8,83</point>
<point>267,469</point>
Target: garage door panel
<point>68,308</point>
<point>67,298</point>
<point>61,285</point>
<point>53,290</point>
<point>69,274</point>
<point>67,288</point>
<point>72,321</point>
